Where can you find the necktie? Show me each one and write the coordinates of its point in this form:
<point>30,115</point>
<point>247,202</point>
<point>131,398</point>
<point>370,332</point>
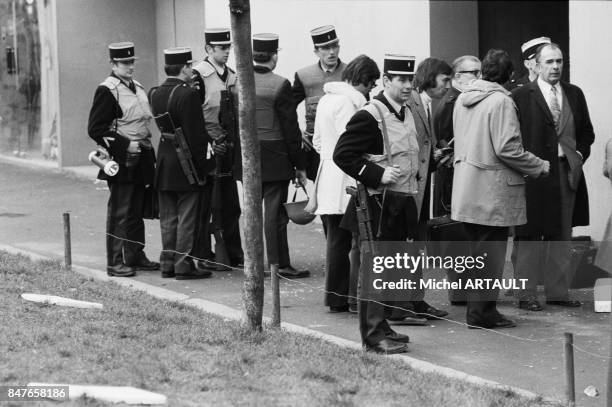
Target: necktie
<point>402,113</point>
<point>555,109</point>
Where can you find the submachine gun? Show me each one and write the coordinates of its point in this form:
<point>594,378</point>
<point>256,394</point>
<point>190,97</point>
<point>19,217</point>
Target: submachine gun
<point>176,136</point>
<point>223,168</point>
<point>364,216</point>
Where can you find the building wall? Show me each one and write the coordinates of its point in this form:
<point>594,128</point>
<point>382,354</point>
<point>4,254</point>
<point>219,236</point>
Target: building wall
<point>453,29</point>
<point>179,24</point>
<point>370,27</point>
<point>84,30</point>
<point>590,39</point>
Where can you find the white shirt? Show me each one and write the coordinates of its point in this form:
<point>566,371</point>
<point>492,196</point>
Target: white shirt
<point>426,100</point>
<point>396,106</point>
<point>546,89</point>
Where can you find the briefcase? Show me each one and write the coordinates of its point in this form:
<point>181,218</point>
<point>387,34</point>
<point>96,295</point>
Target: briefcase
<point>443,228</point>
<point>583,271</point>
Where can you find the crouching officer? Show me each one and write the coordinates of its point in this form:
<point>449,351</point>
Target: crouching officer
<point>118,122</point>
<point>181,166</point>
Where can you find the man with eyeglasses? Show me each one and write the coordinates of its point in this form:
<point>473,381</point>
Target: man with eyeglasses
<point>118,122</point>
<point>308,86</point>
<point>555,125</point>
<point>212,76</point>
<point>466,69</point>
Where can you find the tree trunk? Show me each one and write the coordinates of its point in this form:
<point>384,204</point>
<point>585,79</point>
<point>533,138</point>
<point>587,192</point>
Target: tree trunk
<point>253,289</point>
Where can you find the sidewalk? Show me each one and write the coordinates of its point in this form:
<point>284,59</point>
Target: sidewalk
<point>530,356</point>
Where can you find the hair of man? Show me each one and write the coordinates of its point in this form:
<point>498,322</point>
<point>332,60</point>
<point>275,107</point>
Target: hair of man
<point>361,71</point>
<point>428,70</point>
<point>538,53</point>
<point>497,66</point>
<point>173,69</point>
<point>262,57</point>
<point>458,62</point>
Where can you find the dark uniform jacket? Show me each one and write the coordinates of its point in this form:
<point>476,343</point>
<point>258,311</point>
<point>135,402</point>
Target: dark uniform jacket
<point>443,116</point>
<point>185,108</point>
<point>540,137</point>
<point>278,131</point>
<point>104,110</point>
<point>517,83</point>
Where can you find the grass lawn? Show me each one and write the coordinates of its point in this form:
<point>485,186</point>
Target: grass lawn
<point>194,358</point>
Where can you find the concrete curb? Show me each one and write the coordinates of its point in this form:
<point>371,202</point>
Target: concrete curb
<point>82,173</point>
<point>234,314</point>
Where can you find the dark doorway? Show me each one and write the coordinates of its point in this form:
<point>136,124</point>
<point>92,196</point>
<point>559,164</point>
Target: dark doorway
<point>508,24</point>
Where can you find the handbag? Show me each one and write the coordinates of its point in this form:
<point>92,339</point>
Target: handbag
<point>150,207</point>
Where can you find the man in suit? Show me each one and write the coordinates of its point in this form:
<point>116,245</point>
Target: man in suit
<point>308,85</point>
<point>431,80</point>
<point>178,196</point>
<point>212,76</point>
<point>528,51</point>
<point>465,70</point>
<point>280,143</point>
<point>488,185</point>
<point>391,178</point>
<point>555,125</point>
<point>118,122</point>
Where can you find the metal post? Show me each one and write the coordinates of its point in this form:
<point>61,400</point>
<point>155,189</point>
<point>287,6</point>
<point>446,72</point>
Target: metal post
<point>67,244</point>
<point>275,296</point>
<point>570,390</point>
<point>609,383</point>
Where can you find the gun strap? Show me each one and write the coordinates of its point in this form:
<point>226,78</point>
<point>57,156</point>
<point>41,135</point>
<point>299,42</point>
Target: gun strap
<point>385,135</point>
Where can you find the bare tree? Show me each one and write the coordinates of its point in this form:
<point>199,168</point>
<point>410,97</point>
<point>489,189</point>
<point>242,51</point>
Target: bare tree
<point>253,289</point>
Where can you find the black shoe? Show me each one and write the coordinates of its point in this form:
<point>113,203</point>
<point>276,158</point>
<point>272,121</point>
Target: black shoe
<point>290,272</point>
<point>353,309</point>
<point>145,265</point>
<point>408,321</point>
<point>120,270</point>
<point>208,266</point>
<point>502,322</point>
<point>430,312</point>
<point>167,274</point>
<point>530,305</point>
<point>388,347</point>
<point>193,275</point>
<point>398,337</point>
<point>239,263</point>
<point>565,303</point>
<point>341,308</point>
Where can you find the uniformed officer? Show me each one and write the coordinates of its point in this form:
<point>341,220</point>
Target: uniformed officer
<point>528,51</point>
<point>118,121</point>
<point>308,85</point>
<point>280,142</point>
<point>361,153</point>
<point>178,197</point>
<point>212,76</point>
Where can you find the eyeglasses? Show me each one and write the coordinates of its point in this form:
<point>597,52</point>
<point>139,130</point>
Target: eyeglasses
<point>475,72</point>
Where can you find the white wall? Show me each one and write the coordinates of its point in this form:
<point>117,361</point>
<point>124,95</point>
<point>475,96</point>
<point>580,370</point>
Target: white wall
<point>370,27</point>
<point>590,39</point>
<point>188,31</point>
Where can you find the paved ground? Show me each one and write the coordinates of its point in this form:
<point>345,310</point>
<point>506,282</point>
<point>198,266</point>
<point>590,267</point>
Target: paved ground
<point>530,356</point>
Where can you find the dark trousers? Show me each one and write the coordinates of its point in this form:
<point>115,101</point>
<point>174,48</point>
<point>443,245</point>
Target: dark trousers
<point>548,255</point>
<point>274,194</point>
<point>312,164</point>
<point>489,242</point>
<point>398,220</point>
<point>177,216</point>
<point>230,216</point>
<point>202,247</point>
<point>337,262</point>
<point>124,221</point>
